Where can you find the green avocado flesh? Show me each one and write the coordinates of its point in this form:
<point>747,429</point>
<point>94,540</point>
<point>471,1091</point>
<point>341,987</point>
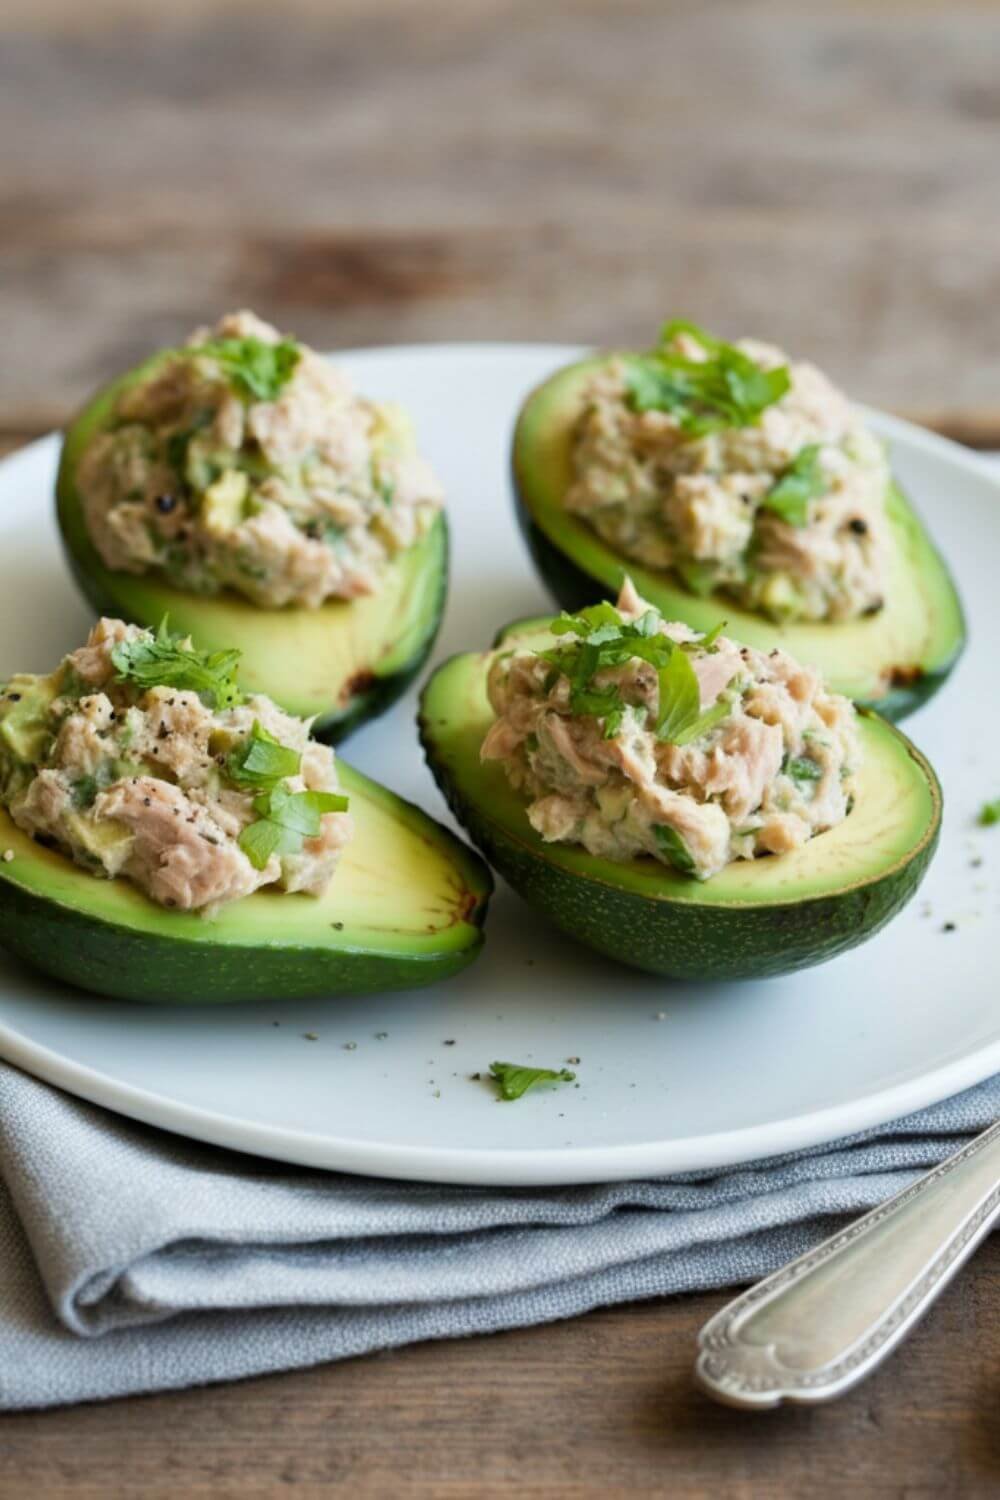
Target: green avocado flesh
<point>756,918</point>
<point>893,661</point>
<point>341,663</point>
<point>405,907</point>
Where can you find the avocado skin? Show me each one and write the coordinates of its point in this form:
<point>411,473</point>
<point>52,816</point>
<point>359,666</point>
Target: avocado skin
<point>573,589</point>
<point>375,691</point>
<point>147,962</point>
<point>689,940</point>
<point>710,944</point>
<point>385,689</point>
<point>115,960</point>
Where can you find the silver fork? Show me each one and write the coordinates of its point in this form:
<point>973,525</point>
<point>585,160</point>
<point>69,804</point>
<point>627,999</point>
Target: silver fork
<point>817,1327</point>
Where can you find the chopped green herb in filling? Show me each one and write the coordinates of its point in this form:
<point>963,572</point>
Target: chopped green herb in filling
<point>674,849</point>
<point>802,768</point>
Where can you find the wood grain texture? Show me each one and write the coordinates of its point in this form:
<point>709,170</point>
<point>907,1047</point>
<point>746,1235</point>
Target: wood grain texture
<point>600,1406</point>
<point>372,171</point>
<point>827,175</point>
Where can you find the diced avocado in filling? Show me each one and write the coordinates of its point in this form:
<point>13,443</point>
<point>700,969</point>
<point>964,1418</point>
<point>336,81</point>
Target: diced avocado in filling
<point>139,757</point>
<point>633,736</point>
<point>738,470</point>
<point>245,461</point>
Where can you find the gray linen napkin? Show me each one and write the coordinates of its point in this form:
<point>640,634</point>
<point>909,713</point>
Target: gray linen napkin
<point>133,1260</point>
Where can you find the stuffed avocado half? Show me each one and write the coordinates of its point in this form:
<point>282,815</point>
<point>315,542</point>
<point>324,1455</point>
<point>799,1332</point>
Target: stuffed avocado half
<point>778,513</point>
<point>755,916</point>
<point>167,837</point>
<point>237,485</point>
<point>107,936</point>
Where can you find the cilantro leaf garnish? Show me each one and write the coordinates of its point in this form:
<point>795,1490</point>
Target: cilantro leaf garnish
<point>515,1079</point>
<point>674,849</point>
<point>261,760</point>
<point>165,660</point>
<point>726,389</point>
<point>603,639</point>
<point>285,820</point>
<point>255,368</point>
<point>989,813</point>
<point>679,697</point>
<point>802,481</point>
<point>679,719</point>
<point>259,841</point>
<point>587,621</point>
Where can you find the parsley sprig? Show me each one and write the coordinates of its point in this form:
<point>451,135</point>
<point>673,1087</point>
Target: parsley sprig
<point>515,1079</point>
<point>726,389</point>
<point>255,368</point>
<point>803,480</point>
<point>166,660</point>
<point>603,639</point>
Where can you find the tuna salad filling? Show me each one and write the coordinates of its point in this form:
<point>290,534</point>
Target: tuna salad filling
<point>246,461</point>
<point>739,471</point>
<point>139,757</point>
<point>632,736</point>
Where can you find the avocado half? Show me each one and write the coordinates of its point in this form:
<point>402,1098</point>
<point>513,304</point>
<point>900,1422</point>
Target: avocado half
<point>755,919</point>
<point>340,664</point>
<point>893,661</point>
<point>405,907</point>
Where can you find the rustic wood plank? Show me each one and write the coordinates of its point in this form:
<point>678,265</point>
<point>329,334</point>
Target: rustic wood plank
<point>504,170</point>
<point>599,1406</point>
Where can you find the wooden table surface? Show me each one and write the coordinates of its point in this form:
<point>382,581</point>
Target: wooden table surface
<point>382,172</point>
<point>602,1405</point>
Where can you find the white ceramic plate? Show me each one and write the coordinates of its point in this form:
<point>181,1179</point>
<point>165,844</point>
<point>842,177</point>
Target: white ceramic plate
<point>671,1076</point>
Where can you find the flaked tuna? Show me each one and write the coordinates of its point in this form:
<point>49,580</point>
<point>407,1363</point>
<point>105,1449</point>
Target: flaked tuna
<point>754,757</point>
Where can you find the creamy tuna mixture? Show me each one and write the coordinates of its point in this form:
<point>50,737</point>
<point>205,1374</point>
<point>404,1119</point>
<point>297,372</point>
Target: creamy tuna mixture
<point>139,757</point>
<point>632,736</point>
<point>246,461</point>
<point>740,471</point>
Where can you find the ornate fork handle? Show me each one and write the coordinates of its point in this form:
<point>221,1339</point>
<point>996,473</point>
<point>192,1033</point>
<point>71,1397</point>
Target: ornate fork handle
<point>823,1323</point>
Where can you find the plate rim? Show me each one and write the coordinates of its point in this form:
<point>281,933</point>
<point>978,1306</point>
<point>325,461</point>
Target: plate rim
<point>547,1167</point>
<point>519,1167</point>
